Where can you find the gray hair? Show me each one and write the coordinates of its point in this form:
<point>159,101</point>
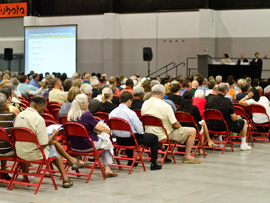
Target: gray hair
<point>222,87</point>
<point>154,82</point>
<point>94,82</point>
<point>137,91</point>
<point>76,109</point>
<point>3,101</point>
<point>86,89</point>
<point>15,81</point>
<point>218,78</point>
<point>106,93</point>
<point>158,89</point>
<point>199,93</point>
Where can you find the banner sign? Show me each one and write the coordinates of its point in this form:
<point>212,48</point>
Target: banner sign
<point>13,10</point>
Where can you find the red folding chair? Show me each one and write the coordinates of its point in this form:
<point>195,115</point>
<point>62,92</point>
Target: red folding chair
<point>97,118</point>
<point>25,102</point>
<point>123,125</point>
<point>77,129</point>
<point>256,108</point>
<point>212,114</point>
<point>48,116</point>
<point>148,120</point>
<point>52,102</point>
<point>53,107</point>
<point>20,134</point>
<point>23,97</point>
<point>176,105</point>
<point>184,117</point>
<point>102,115</point>
<point>46,111</point>
<point>29,98</point>
<point>63,119</point>
<point>55,113</point>
<point>23,105</point>
<point>241,112</point>
<point>4,137</point>
<point>138,112</point>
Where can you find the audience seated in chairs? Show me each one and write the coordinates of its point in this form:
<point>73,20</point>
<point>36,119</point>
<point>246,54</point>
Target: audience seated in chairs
<point>106,105</point>
<point>73,92</point>
<point>6,118</point>
<point>79,113</point>
<point>158,108</point>
<point>125,138</point>
<point>226,107</point>
<point>31,119</point>
<point>137,102</point>
<point>188,107</point>
<point>254,97</point>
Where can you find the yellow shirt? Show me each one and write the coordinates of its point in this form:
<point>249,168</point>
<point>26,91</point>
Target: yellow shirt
<point>160,109</point>
<point>58,96</point>
<point>31,119</point>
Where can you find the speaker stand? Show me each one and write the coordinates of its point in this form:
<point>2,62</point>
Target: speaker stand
<point>148,62</point>
<point>9,65</point>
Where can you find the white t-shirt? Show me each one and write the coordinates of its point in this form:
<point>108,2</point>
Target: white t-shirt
<point>258,117</point>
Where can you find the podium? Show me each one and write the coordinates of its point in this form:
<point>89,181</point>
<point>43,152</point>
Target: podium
<point>203,61</point>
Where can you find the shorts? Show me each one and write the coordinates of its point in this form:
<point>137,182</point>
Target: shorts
<point>52,151</point>
<point>237,126</point>
<point>180,134</point>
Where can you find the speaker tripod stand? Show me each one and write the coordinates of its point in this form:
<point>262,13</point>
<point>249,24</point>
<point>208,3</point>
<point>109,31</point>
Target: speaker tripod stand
<point>9,62</point>
<point>148,63</point>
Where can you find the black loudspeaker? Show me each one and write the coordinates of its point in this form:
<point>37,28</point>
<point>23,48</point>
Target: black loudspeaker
<point>8,54</point>
<point>147,54</point>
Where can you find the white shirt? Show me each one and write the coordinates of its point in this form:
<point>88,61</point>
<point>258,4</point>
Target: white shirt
<point>258,117</point>
<point>267,89</point>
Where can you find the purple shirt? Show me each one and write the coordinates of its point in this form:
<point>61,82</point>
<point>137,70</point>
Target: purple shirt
<point>82,143</point>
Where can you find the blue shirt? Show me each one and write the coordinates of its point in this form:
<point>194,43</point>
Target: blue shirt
<point>122,111</point>
<point>201,87</point>
<point>182,91</point>
<point>34,83</point>
<point>171,104</point>
<point>23,87</point>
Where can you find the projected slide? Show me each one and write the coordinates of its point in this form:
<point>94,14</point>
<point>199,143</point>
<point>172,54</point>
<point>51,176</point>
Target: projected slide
<point>50,49</point>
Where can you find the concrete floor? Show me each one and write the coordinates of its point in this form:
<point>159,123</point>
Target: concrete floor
<point>231,177</point>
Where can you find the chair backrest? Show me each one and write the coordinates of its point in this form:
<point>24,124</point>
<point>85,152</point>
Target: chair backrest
<point>4,136</point>
<point>63,119</point>
<point>25,102</point>
<point>148,120</point>
<point>77,129</point>
<point>55,113</point>
<point>241,112</point>
<point>52,102</point>
<point>185,117</point>
<point>97,118</point>
<point>50,122</point>
<point>213,114</point>
<point>47,116</point>
<point>23,97</point>
<point>53,107</point>
<point>21,134</point>
<point>138,112</point>
<point>257,108</point>
<point>23,106</point>
<point>121,124</point>
<point>102,115</point>
<point>176,105</point>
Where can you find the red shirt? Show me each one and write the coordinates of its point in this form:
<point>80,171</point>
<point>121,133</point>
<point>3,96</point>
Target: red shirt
<point>128,89</point>
<point>200,103</point>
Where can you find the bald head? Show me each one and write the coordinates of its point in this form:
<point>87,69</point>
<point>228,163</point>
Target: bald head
<point>195,84</point>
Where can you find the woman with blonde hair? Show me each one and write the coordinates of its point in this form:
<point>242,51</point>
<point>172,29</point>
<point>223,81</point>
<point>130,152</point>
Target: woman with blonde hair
<point>79,113</point>
<point>106,101</point>
<point>72,93</point>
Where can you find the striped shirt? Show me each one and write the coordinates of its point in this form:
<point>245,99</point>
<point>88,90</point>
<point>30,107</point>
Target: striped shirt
<point>6,122</point>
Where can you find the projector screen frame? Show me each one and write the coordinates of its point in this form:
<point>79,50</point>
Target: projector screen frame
<point>45,26</point>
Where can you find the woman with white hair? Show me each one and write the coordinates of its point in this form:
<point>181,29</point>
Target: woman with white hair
<point>199,101</point>
<point>79,113</point>
<point>106,101</point>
